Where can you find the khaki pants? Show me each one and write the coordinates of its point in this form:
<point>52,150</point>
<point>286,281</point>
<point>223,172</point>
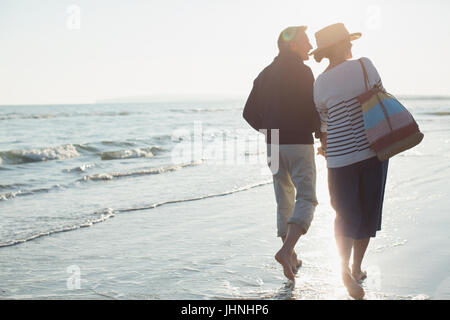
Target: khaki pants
<point>296,172</point>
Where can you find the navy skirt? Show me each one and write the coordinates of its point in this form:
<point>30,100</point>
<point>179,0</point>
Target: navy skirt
<point>356,194</point>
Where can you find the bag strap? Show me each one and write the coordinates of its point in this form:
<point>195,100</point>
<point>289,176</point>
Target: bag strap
<point>366,78</point>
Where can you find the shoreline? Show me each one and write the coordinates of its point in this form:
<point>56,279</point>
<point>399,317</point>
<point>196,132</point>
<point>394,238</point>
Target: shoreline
<point>222,248</point>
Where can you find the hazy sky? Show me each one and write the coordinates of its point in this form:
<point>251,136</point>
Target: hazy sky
<point>202,47</point>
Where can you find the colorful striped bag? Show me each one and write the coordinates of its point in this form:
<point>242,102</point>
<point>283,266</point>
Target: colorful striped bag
<point>389,126</point>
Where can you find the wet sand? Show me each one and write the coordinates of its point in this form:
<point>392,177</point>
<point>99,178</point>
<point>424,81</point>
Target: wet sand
<point>223,247</point>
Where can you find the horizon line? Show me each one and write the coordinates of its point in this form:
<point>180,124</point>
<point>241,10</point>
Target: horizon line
<point>191,99</point>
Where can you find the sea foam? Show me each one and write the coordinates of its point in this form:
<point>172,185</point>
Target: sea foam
<point>100,216</point>
<point>130,154</point>
<point>150,171</point>
<point>43,154</point>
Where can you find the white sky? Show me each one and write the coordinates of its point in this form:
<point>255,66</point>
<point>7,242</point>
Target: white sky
<point>203,47</point>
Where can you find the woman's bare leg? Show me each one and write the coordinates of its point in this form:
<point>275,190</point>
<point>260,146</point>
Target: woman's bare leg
<point>359,249</point>
<point>345,246</point>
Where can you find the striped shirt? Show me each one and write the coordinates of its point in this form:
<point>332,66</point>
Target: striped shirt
<point>335,96</point>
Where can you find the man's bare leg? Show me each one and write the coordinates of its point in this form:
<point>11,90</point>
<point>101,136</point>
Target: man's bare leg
<point>284,255</point>
<point>359,249</point>
<point>295,262</point>
<point>345,246</point>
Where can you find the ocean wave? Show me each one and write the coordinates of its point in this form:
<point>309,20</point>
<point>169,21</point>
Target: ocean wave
<point>81,168</point>
<point>150,171</point>
<point>438,113</point>
<point>107,213</point>
<point>86,148</point>
<point>202,110</point>
<point>118,143</point>
<point>165,138</point>
<point>100,216</point>
<point>69,151</point>
<point>15,116</point>
<point>93,177</point>
<point>213,195</point>
<point>19,193</point>
<point>12,186</point>
<point>96,147</point>
<point>130,154</point>
<point>43,154</point>
<point>9,195</point>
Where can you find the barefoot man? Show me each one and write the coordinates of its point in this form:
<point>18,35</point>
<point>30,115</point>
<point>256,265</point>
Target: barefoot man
<point>281,105</point>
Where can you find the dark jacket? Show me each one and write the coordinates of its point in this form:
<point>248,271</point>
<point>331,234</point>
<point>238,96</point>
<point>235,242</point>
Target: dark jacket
<point>282,98</point>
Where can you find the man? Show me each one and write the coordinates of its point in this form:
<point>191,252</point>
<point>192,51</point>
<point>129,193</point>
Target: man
<point>281,104</point>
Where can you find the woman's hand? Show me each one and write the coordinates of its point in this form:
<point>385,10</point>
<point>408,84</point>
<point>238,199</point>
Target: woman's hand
<point>320,151</point>
<point>322,148</point>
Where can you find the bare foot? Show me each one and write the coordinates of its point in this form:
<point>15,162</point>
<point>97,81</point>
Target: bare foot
<point>295,263</point>
<point>285,260</point>
<point>358,274</point>
<point>353,287</point>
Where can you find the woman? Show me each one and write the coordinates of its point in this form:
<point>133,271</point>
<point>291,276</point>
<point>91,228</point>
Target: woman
<point>356,178</point>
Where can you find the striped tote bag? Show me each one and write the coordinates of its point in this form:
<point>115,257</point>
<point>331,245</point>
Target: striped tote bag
<point>389,126</point>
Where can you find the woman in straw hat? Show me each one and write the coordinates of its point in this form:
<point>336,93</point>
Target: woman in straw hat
<point>356,178</point>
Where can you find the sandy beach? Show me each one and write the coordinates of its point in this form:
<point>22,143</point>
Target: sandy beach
<point>222,248</point>
<point>130,167</point>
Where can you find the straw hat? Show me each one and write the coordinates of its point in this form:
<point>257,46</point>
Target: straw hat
<point>331,35</point>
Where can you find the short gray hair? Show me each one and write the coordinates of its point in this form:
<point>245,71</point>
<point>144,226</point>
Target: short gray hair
<point>287,35</point>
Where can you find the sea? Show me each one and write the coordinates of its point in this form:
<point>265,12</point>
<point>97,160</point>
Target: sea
<point>63,167</point>
<point>68,168</point>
